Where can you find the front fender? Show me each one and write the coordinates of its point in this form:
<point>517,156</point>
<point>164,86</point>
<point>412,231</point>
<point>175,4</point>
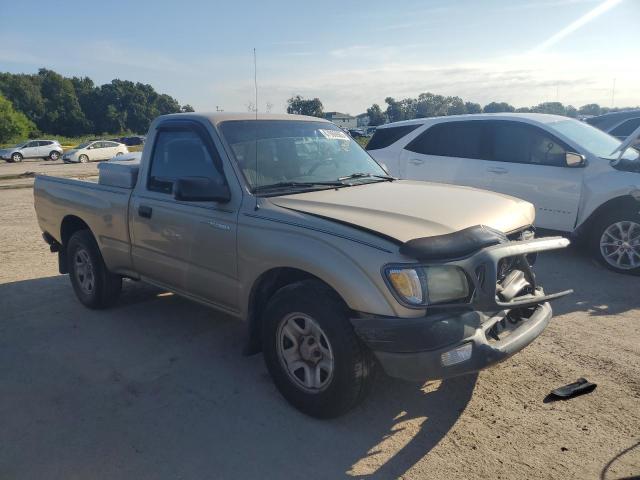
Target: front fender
<point>350,268</point>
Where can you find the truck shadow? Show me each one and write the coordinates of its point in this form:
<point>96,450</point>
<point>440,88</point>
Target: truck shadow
<point>158,381</point>
<point>597,290</point>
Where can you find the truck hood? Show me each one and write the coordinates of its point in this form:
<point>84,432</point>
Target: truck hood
<point>405,209</point>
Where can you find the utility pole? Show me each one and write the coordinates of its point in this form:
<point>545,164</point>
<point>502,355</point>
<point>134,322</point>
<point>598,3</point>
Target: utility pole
<point>613,93</point>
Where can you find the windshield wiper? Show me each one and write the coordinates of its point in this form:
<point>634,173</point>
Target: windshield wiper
<point>275,186</point>
<point>367,175</point>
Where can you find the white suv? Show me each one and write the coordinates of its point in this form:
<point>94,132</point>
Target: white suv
<point>47,149</point>
<point>568,169</point>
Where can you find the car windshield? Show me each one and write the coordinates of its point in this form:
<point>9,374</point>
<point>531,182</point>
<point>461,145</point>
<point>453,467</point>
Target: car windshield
<point>596,141</point>
<point>291,154</point>
<point>82,145</point>
<point>20,145</point>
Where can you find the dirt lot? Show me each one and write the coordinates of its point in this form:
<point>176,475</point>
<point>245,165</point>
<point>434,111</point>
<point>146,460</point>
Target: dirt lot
<point>157,388</point>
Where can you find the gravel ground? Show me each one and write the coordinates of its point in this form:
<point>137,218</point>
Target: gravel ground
<point>50,168</point>
<point>157,388</point>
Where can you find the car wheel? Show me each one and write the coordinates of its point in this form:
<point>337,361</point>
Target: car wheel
<point>118,154</point>
<point>83,159</point>
<point>16,158</point>
<point>54,155</point>
<point>312,352</point>
<point>93,284</point>
<point>616,242</point>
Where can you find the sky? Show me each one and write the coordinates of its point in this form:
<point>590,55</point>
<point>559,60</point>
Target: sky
<point>349,53</point>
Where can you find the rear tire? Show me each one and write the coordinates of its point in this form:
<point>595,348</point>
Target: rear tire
<point>615,241</point>
<point>312,352</point>
<point>93,284</point>
<point>83,159</point>
<point>16,158</point>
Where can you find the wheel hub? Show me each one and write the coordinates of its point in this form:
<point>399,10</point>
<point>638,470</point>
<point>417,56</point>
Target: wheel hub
<point>305,353</point>
<point>620,245</point>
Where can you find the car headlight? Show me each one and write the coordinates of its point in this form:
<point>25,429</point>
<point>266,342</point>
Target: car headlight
<point>422,286</point>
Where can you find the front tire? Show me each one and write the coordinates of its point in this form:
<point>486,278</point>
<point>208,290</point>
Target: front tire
<point>93,284</point>
<point>312,352</point>
<point>615,242</point>
<point>54,156</point>
<point>16,158</point>
<point>83,159</point>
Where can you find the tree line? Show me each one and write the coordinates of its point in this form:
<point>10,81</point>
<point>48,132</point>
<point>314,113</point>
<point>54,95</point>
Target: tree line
<point>433,105</point>
<point>53,104</point>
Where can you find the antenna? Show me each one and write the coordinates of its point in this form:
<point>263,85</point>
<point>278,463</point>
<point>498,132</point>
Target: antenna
<point>255,85</point>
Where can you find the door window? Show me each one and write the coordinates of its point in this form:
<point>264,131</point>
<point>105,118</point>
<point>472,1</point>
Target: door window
<point>181,153</point>
<point>626,128</point>
<point>31,144</point>
<point>452,139</point>
<point>517,142</point>
<point>383,137</point>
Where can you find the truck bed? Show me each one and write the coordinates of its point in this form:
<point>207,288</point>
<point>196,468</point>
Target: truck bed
<point>60,202</point>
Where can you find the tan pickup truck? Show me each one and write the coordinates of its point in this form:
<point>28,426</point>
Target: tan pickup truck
<point>286,223</point>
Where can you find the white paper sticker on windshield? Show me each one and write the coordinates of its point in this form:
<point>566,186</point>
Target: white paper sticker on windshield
<point>334,134</point>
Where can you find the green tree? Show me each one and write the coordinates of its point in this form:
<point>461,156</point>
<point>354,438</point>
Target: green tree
<point>376,115</point>
<point>497,107</point>
<point>554,108</point>
<point>590,109</point>
<point>523,110</point>
<point>455,106</point>
<point>300,106</point>
<point>473,107</point>
<point>14,125</point>
<point>62,109</point>
<point>571,111</point>
<point>187,108</point>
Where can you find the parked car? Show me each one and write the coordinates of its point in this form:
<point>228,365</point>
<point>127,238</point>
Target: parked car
<point>370,130</point>
<point>357,132</point>
<point>94,150</point>
<point>285,222</point>
<point>568,169</point>
<point>618,124</point>
<point>46,149</point>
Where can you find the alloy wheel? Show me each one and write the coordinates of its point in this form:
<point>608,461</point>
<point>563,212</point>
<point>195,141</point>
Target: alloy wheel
<point>620,245</point>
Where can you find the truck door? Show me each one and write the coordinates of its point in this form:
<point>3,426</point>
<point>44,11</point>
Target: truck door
<point>186,246</point>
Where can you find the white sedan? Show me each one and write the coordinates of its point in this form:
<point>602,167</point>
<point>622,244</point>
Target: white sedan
<point>96,150</point>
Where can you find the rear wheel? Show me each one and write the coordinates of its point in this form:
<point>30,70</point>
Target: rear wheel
<point>314,356</point>
<point>83,159</point>
<point>16,157</point>
<point>616,242</point>
<point>93,284</point>
<point>54,155</point>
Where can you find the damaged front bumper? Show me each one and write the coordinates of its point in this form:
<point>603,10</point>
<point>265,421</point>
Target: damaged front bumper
<point>506,312</point>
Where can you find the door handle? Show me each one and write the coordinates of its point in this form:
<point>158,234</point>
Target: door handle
<point>145,211</point>
<point>416,161</point>
<point>498,170</point>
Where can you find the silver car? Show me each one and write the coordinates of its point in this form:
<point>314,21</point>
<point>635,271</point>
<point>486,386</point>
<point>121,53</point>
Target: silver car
<point>95,150</point>
<point>47,149</point>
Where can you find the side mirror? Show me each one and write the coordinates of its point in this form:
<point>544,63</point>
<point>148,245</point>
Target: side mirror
<point>575,160</point>
<point>200,189</point>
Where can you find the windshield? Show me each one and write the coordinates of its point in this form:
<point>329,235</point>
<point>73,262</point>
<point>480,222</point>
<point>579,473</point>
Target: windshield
<point>20,145</point>
<point>596,141</point>
<point>271,152</point>
<point>82,145</point>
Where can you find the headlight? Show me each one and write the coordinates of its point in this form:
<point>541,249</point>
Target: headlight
<point>421,286</point>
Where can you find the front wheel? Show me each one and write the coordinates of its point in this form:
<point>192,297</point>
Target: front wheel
<point>312,352</point>
<point>93,284</point>
<point>16,158</point>
<point>54,156</point>
<point>616,242</point>
<point>83,159</point>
